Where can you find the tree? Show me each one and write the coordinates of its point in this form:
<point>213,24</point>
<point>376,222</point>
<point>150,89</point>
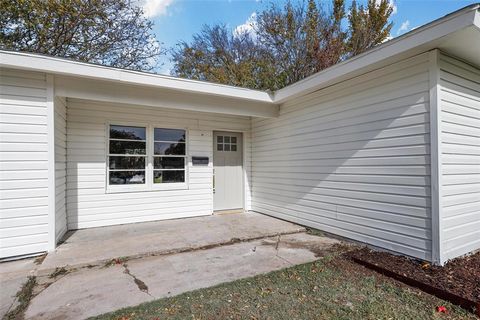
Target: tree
<point>368,26</point>
<point>218,55</point>
<point>301,41</point>
<point>288,44</point>
<point>107,32</point>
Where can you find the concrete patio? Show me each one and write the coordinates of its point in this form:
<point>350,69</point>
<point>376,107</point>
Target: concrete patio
<point>104,269</point>
<point>98,245</point>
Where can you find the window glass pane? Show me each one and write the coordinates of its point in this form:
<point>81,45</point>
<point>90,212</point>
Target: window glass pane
<point>234,147</point>
<point>166,148</point>
<point>219,139</point>
<point>127,162</point>
<point>127,177</point>
<point>169,163</point>
<point>219,147</point>
<point>169,135</point>
<point>233,140</point>
<point>227,139</point>
<point>123,132</point>
<point>168,176</point>
<point>226,147</point>
<point>127,147</point>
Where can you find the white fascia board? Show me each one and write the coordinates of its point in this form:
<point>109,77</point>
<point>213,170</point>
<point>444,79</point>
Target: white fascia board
<point>121,93</point>
<point>419,40</point>
<point>59,66</point>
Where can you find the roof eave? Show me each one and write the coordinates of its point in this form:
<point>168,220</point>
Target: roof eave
<point>59,66</point>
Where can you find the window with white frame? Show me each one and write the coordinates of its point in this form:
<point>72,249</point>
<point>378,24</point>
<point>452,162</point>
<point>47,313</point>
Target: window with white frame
<point>169,155</point>
<point>146,156</point>
<point>127,155</point>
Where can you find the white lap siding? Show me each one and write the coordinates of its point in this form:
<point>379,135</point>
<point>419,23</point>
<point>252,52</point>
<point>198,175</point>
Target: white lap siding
<point>88,202</point>
<point>24,223</point>
<point>460,156</point>
<point>352,159</point>
<point>60,167</point>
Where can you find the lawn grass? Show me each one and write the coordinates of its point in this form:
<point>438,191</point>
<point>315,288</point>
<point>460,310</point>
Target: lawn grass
<point>330,288</point>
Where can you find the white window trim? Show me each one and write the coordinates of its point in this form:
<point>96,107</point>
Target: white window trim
<point>149,185</point>
<point>167,186</point>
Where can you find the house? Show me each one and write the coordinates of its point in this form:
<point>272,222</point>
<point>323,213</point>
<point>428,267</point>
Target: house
<point>383,148</point>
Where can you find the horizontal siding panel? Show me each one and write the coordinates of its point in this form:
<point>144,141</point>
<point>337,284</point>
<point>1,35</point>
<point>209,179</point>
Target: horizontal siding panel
<point>458,210</point>
<point>23,212</point>
<point>40,239</point>
<point>25,221</point>
<point>18,137</point>
<point>23,163</point>
<point>352,159</point>
<point>283,177</point>
<point>23,128</point>
<point>24,91</point>
<point>23,184</point>
<point>25,110</point>
<point>170,208</point>
<point>23,175</point>
<point>20,147</point>
<point>460,116</point>
<point>312,199</point>
<point>140,218</point>
<point>23,230</point>
<point>19,250</point>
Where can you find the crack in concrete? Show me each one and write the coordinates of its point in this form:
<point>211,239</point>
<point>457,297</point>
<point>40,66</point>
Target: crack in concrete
<point>104,262</point>
<point>277,244</point>
<point>140,284</point>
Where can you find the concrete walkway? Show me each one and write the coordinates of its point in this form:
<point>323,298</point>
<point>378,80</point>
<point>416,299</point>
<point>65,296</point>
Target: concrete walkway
<point>88,292</point>
<point>98,245</point>
<point>104,269</point>
<point>13,275</point>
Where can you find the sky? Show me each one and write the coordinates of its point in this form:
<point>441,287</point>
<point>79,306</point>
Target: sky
<point>179,20</point>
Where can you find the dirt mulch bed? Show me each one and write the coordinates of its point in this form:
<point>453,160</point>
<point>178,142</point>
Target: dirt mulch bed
<point>459,277</point>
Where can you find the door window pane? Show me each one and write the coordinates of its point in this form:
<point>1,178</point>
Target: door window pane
<point>226,143</point>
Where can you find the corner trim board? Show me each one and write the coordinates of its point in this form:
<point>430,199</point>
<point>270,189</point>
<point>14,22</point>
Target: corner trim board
<point>435,154</point>
<point>51,160</point>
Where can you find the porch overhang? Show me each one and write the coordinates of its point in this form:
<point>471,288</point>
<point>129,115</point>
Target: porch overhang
<point>136,95</point>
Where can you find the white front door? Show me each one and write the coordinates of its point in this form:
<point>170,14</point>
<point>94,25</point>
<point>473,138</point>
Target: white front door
<point>228,171</point>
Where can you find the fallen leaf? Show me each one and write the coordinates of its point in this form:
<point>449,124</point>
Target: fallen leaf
<point>442,309</point>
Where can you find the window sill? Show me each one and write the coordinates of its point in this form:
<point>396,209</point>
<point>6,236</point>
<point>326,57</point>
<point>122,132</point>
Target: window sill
<point>154,188</point>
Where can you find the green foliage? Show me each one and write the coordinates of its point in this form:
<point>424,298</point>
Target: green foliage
<point>368,26</point>
<point>215,55</point>
<point>288,44</point>
<point>109,32</point>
